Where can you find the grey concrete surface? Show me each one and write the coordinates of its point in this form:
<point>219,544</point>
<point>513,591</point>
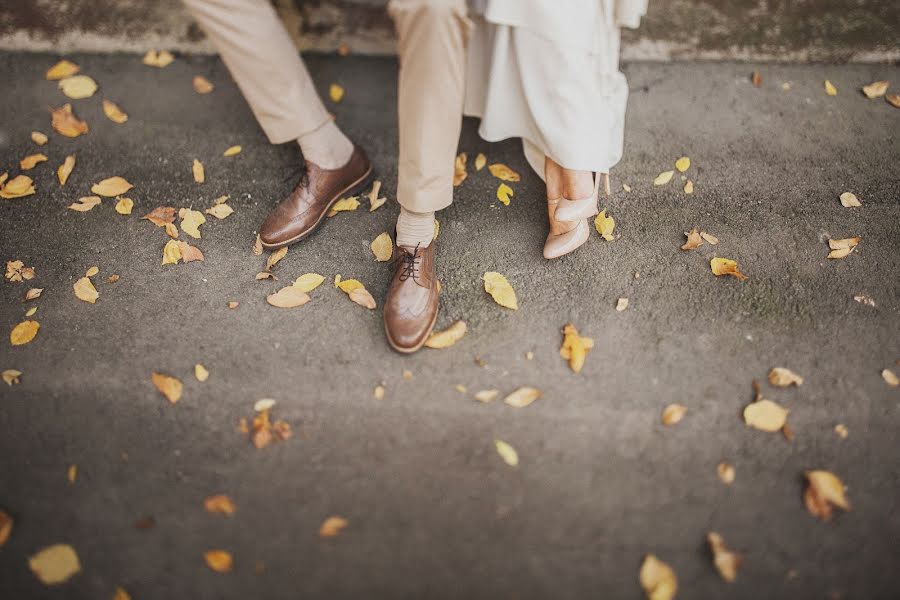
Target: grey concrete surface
<point>774,30</point>
<point>433,511</point>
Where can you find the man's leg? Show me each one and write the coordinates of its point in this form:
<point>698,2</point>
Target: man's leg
<point>432,36</point>
<point>263,61</point>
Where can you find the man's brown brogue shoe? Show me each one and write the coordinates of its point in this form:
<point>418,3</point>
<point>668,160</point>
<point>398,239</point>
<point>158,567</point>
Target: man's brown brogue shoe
<point>411,307</point>
<point>303,210</point>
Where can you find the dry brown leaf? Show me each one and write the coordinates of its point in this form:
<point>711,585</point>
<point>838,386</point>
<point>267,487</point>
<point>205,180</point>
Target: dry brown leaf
<point>382,247</point>
<point>522,397</point>
<point>17,187</point>
<point>726,472</point>
<point>161,215</point>
<point>24,332</point>
<point>10,378</point>
<point>274,257</point>
<point>500,290</point>
<point>201,373</point>
<point>362,297</point>
<point>64,121</point>
<point>332,526</point>
<point>447,337</point>
<point>199,173</point>
<point>849,200</point>
<point>31,161</point>
<point>673,413</point>
<point>160,59</point>
<point>781,377</point>
<point>78,87</point>
<point>694,240</point>
<point>459,169</point>
<point>168,386</point>
<point>17,271</point>
<point>6,525</point>
<point>504,173</point>
<point>113,112</point>
<point>876,89</point>
<point>61,70</point>
<point>219,504</point>
<point>111,187</point>
<point>710,238</point>
<point>65,169</point>
<point>823,491</point>
<point>726,266</point>
<point>726,562</point>
<point>507,453</point>
<point>191,220</point>
<point>756,79</point>
<point>658,579</point>
<point>55,564</point>
<point>189,253</point>
<point>124,206</point>
<point>39,138</point>
<point>480,161</point>
<point>288,297</point>
<point>85,204</point>
<point>890,377</point>
<point>202,85</point>
<point>765,415</point>
<point>219,561</point>
<point>85,290</point>
<point>575,347</point>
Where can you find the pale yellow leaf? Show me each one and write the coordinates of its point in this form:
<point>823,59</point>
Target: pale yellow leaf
<point>113,112</point>
<point>55,564</point>
<point>726,473</point>
<point>725,266</point>
<point>689,187</point>
<point>348,285</point>
<point>31,161</point>
<point>61,70</point>
<point>503,173</point>
<point>781,377</point>
<point>849,199</point>
<point>374,201</point>
<point>219,561</point>
<point>171,253</point>
<point>447,337</point>
<point>522,397</point>
<point>332,526</point>
<point>362,297</point>
<point>191,220</point>
<point>17,187</point>
<point>378,393</point>
<point>480,161</point>
<point>111,187</point>
<point>507,453</point>
<point>459,169</point>
<point>875,89</point>
<point>85,204</point>
<point>504,193</point>
<point>621,304</point>
<point>275,257</point>
<point>344,204</point>
<point>160,59</point>
<point>232,151</point>
<point>24,332</point>
<point>500,290</point>
<point>202,85</point>
<point>673,413</point>
<point>605,225</point>
<point>683,164</point>
<point>823,491</point>
<point>78,87</point>
<point>39,138</point>
<point>124,206</point>
<point>308,282</point>
<point>198,171</point>
<point>486,395</point>
<point>168,386</point>
<point>893,100</point>
<point>220,211</point>
<point>85,290</point>
<point>288,297</point>
<point>765,415</point>
<point>626,188</point>
<point>710,238</point>
<point>65,169</point>
<point>658,579</point>
<point>663,178</point>
<point>890,377</point>
<point>10,377</point>
<point>201,372</point>
<point>830,89</point>
<point>92,271</point>
<point>382,247</point>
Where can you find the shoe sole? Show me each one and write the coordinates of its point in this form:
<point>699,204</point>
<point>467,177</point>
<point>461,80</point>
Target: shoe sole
<point>356,186</point>
<point>417,347</point>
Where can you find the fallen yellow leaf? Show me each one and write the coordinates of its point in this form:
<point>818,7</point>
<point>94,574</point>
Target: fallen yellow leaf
<point>113,112</point>
<point>500,290</point>
<point>447,337</point>
<point>605,225</point>
<point>621,304</point>
<point>201,372</point>
<point>220,211</point>
<point>111,187</point>
<point>160,59</point>
<point>55,564</point>
<point>72,473</point>
<point>726,472</point>
<point>486,395</point>
<point>61,70</point>
<point>199,173</point>
<point>336,92</point>
<point>694,240</point>
<point>689,187</point>
<point>875,89</point>
<point>288,297</point>
<point>382,247</point>
<point>171,253</point>
<point>504,193</point>
<point>64,121</point>
<point>503,173</point>
<point>24,332</point>
<point>710,238</point>
<point>726,562</point>
<point>480,161</point>
<point>85,204</point>
<point>6,525</point>
<point>124,206</point>
<point>574,347</point>
<point>17,187</point>
<point>65,169</point>
<point>344,204</point>
<point>842,248</point>
<point>830,89</point>
<point>78,87</point>
<point>893,100</point>
<point>823,491</point>
<point>507,453</point>
<point>849,200</point>
<point>219,561</point>
<point>781,377</point>
<point>459,169</point>
<point>39,138</point>
<point>683,164</point>
<point>362,297</point>
<point>232,150</point>
<point>31,161</point>
<point>765,415</point>
<point>308,282</point>
<point>168,386</point>
<point>275,257</point>
<point>121,594</point>
<point>85,290</point>
<point>726,266</point>
<point>890,377</point>
<point>219,504</point>
<point>658,579</point>
<point>663,178</point>
<point>10,377</point>
<point>191,220</point>
<point>332,526</point>
<point>202,85</point>
<point>673,413</point>
<point>374,200</point>
<point>522,397</point>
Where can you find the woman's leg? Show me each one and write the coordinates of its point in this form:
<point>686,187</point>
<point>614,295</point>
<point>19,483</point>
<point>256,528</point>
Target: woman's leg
<point>564,183</point>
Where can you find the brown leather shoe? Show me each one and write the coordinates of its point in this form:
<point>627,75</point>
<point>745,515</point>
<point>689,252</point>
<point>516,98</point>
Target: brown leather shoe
<point>411,307</point>
<point>303,210</point>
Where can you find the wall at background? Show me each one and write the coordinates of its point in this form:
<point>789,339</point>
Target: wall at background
<point>779,30</point>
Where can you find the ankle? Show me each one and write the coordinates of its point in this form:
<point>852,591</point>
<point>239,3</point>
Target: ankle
<point>415,228</point>
<point>326,147</point>
<point>577,184</point>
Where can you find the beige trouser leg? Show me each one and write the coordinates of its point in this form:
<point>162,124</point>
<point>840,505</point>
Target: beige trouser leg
<point>432,45</point>
<point>256,48</point>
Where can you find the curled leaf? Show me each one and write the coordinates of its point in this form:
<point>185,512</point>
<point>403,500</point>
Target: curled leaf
<point>726,562</point>
<point>503,173</point>
<point>64,121</point>
<point>202,85</point>
<point>232,151</point>
<point>504,193</point>
<point>574,347</point>
<point>658,579</point>
<point>113,112</point>
<point>781,377</point>
<point>17,187</point>
<point>694,240</point>
<point>447,337</point>
<point>459,169</point>
<point>480,161</point>
<point>168,386</point>
<point>875,89</point>
<point>275,257</point>
<point>85,204</point>
<point>673,413</point>
<point>605,225</point>
<point>823,491</point>
<point>726,266</point>
<point>65,169</point>
<point>31,161</point>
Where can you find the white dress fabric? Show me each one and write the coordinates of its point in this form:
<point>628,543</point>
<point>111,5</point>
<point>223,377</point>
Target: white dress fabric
<point>548,72</point>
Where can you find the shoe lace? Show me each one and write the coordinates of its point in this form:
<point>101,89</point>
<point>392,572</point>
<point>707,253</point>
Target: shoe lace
<point>409,264</point>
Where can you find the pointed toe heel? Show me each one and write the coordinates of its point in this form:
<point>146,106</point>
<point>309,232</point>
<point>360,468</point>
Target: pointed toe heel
<point>564,243</point>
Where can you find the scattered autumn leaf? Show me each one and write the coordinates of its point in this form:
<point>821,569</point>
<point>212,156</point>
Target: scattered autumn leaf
<point>336,92</point>
<point>765,415</point>
<point>332,527</point>
<point>219,504</point>
<point>689,187</point>
<point>202,85</point>
<point>201,373</point>
<point>374,201</point>
<point>663,178</point>
<point>447,337</point>
<point>522,397</point>
<point>111,187</point>
<point>39,138</point>
<point>220,211</point>
<point>17,187</point>
<point>841,430</point>
<point>343,205</point>
<point>31,161</point>
<point>197,169</point>
<point>275,257</point>
<point>683,164</point>
<point>726,562</point>
<point>480,161</point>
<point>362,297</point>
<point>781,377</point>
<point>823,491</point>
<point>308,282</point>
<point>459,169</point>
<point>85,290</point>
<point>893,100</point>
<point>574,347</point>
<point>504,194</point>
<point>694,240</point>
<point>849,199</point>
<point>507,453</point>
<point>875,89</point>
<point>55,564</point>
<point>10,378</point>
<point>65,169</point>
<point>160,59</point>
<point>500,290</point>
<point>78,87</point>
<point>621,304</point>
<point>61,70</point>
<point>24,332</point>
<point>382,247</point>
<point>890,377</point>
<point>486,395</point>
<point>72,473</point>
<point>605,225</point>
<point>124,206</point>
<point>113,112</point>
<point>288,297</point>
<point>726,266</point>
<point>189,253</point>
<point>726,472</point>
<point>626,188</point>
<point>64,121</point>
<point>161,215</point>
<point>168,386</point>
<point>830,89</point>
<point>85,204</point>
<point>673,413</point>
<point>17,271</point>
<point>710,238</point>
<point>219,561</point>
<point>503,173</point>
<point>232,151</point>
<point>6,525</point>
<point>191,220</point>
<point>658,579</point>
<point>842,248</point>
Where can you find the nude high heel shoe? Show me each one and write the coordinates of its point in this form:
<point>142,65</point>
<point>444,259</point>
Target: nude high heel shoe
<point>563,243</point>
<point>585,208</point>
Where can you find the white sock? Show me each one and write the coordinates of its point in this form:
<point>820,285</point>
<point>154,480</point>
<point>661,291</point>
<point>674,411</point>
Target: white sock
<point>415,228</point>
<point>326,147</point>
